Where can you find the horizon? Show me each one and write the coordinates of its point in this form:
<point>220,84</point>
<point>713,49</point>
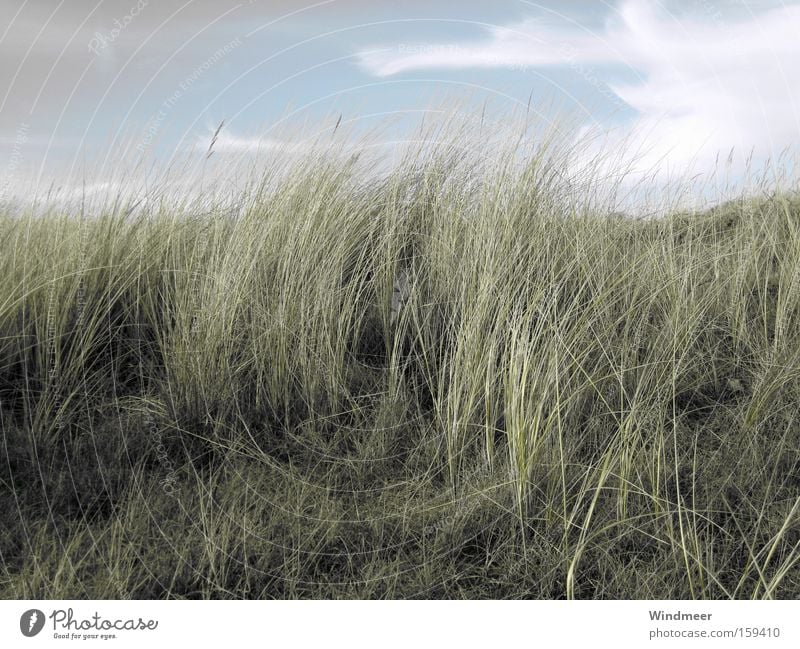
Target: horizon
<point>687,90</point>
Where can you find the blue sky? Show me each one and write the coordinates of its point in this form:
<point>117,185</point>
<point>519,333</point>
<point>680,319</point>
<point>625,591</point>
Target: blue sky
<point>680,83</point>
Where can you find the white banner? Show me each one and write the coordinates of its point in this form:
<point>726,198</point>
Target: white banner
<point>386,625</point>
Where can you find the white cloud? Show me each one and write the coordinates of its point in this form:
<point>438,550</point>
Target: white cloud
<point>704,83</point>
<point>242,144</point>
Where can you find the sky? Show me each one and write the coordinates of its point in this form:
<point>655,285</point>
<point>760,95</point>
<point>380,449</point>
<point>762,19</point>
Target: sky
<point>90,86</point>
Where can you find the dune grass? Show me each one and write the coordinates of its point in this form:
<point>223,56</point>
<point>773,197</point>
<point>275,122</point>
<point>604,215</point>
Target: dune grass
<point>451,381</point>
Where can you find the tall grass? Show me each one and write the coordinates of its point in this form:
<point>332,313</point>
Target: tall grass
<point>454,379</point>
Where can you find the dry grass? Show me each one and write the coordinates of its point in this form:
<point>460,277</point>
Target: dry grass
<point>454,381</point>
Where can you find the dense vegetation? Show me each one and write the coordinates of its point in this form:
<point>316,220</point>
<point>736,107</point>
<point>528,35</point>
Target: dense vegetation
<point>442,383</point>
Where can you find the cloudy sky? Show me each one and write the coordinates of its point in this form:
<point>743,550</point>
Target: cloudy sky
<point>85,83</point>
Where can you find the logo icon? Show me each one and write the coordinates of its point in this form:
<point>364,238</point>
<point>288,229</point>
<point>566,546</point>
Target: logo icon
<point>31,622</point>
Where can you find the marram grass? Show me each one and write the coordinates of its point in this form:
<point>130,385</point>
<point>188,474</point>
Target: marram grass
<point>449,381</point>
